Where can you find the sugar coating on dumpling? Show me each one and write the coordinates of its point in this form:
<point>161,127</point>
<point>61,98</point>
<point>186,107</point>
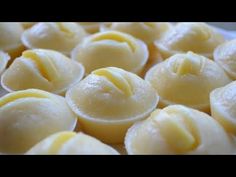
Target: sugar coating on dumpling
<point>109,101</point>
<point>225,56</point>
<point>60,36</point>
<point>223,106</point>
<point>4,58</point>
<point>111,48</point>
<point>66,143</point>
<point>27,117</point>
<point>42,69</point>
<point>145,31</point>
<point>186,79</point>
<point>196,37</point>
<point>178,130</point>
<point>10,38</point>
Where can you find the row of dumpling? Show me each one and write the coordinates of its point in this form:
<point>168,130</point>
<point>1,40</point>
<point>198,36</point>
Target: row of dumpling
<point>108,101</point>
<point>135,48</point>
<point>113,106</point>
<point>131,46</point>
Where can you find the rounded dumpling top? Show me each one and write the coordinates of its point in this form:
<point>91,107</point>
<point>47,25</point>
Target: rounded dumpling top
<point>10,37</point>
<point>225,56</point>
<point>111,48</point>
<point>196,37</point>
<point>109,100</point>
<point>178,130</point>
<point>10,34</point>
<point>146,31</point>
<point>64,143</point>
<point>186,79</point>
<point>112,94</point>
<point>59,36</point>
<point>43,69</point>
<point>4,58</point>
<point>27,117</point>
<point>223,106</point>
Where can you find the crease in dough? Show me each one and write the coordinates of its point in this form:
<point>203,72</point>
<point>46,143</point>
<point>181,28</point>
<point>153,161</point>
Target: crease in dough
<point>178,129</point>
<point>111,48</point>
<point>109,100</point>
<point>197,37</point>
<point>71,143</point>
<point>186,79</point>
<point>28,116</point>
<point>42,69</point>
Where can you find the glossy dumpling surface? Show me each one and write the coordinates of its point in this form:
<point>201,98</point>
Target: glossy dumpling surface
<point>223,106</point>
<point>27,117</point>
<point>145,31</point>
<point>196,37</point>
<point>178,130</point>
<point>186,79</point>
<point>65,143</point>
<point>10,38</point>
<point>225,56</point>
<point>42,69</point>
<point>111,48</point>
<point>59,36</point>
<point>109,100</point>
